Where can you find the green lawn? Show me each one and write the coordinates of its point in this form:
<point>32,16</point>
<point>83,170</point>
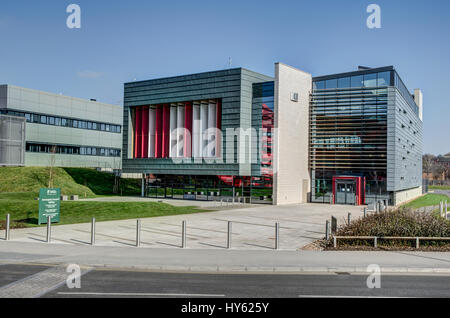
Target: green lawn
<point>438,187</point>
<point>427,200</point>
<point>24,210</point>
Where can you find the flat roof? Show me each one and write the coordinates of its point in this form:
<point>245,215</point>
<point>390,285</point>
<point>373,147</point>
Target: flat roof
<point>354,73</point>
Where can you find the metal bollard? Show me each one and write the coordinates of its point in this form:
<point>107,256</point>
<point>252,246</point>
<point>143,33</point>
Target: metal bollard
<point>7,225</point>
<point>417,242</point>
<point>277,236</point>
<point>138,233</point>
<point>93,231</point>
<point>229,234</point>
<point>183,234</point>
<point>327,230</point>
<point>334,242</point>
<point>375,242</point>
<point>49,229</point>
<point>349,218</point>
<point>365,212</point>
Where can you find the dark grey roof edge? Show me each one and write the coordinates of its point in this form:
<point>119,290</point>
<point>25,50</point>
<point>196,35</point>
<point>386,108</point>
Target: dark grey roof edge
<point>239,69</point>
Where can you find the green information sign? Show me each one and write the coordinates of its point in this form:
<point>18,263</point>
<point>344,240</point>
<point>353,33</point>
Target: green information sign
<point>49,205</point>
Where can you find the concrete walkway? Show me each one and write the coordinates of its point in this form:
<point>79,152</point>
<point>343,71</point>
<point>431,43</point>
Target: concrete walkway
<point>201,260</point>
<point>253,228</point>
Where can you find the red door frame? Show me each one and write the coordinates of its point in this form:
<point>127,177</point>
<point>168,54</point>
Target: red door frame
<point>360,188</point>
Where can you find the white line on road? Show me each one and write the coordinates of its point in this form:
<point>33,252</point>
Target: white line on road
<point>337,296</point>
<point>137,294</point>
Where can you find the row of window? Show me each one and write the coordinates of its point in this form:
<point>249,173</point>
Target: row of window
<point>72,150</point>
<point>366,80</point>
<point>64,122</point>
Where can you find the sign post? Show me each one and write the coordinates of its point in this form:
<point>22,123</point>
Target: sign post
<point>49,205</point>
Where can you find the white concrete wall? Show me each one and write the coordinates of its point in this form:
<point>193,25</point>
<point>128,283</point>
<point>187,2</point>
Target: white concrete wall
<point>407,195</point>
<point>291,174</point>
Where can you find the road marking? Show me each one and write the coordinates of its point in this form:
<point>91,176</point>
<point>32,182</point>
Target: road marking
<point>137,294</point>
<point>38,284</point>
<point>337,296</point>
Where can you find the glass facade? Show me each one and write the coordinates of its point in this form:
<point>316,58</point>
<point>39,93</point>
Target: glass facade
<point>63,121</point>
<point>378,79</point>
<point>348,133</point>
<point>71,150</point>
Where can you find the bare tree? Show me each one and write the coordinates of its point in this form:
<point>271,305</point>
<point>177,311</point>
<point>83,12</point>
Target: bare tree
<point>52,164</point>
<point>427,163</point>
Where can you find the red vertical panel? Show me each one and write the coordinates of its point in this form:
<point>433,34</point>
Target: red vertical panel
<point>219,128</point>
<point>188,130</point>
<point>144,139</point>
<point>133,118</point>
<point>158,132</point>
<point>165,131</point>
<point>138,133</point>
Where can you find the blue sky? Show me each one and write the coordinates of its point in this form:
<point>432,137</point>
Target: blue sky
<point>120,41</point>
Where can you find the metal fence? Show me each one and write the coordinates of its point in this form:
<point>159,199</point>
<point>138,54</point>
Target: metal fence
<point>12,140</point>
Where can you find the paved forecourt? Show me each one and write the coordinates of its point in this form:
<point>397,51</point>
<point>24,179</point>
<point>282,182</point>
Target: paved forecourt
<point>252,228</point>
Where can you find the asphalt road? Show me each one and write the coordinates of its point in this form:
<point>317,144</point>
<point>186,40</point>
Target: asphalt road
<point>127,283</point>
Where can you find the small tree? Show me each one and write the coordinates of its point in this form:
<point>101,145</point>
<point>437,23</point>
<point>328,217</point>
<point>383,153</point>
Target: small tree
<point>52,164</point>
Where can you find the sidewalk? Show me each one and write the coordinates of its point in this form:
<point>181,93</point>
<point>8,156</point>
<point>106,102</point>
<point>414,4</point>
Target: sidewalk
<point>253,228</point>
<point>216,261</point>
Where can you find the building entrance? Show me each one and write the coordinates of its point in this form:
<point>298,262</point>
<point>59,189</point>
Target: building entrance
<point>345,192</point>
<point>349,190</point>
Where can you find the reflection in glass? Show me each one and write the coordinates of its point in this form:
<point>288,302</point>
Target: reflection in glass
<point>370,80</point>
<point>357,81</point>
<point>344,82</point>
<point>384,79</point>
<point>331,83</point>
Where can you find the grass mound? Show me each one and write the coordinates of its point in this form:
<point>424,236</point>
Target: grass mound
<point>79,181</point>
<point>31,179</point>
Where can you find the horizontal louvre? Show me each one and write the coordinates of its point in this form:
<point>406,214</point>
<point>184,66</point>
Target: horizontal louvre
<point>348,129</point>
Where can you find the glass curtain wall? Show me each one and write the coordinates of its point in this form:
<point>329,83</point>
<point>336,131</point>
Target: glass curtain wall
<point>348,133</point>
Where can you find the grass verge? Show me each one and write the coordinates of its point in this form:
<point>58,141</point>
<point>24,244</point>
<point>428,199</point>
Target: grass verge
<point>24,210</point>
<point>427,200</point>
<point>437,187</point>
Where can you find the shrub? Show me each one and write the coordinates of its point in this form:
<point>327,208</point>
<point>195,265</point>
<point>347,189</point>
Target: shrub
<point>402,222</point>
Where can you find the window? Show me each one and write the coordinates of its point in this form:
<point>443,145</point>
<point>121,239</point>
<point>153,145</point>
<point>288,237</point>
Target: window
<point>384,79</point>
<point>43,119</point>
<point>357,81</point>
<point>319,85</point>
<point>102,127</point>
<point>75,123</point>
<point>94,126</point>
<point>107,127</point>
<point>58,121</point>
<point>370,80</point>
<point>89,125</point>
<point>344,82</point>
<point>51,120</point>
<point>331,83</point>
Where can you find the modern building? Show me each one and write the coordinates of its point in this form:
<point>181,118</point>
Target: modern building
<point>350,138</point>
<point>60,130</point>
<point>365,138</point>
